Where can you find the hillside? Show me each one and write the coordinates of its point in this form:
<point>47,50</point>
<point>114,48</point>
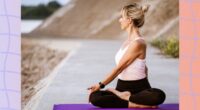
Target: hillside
<point>99,19</point>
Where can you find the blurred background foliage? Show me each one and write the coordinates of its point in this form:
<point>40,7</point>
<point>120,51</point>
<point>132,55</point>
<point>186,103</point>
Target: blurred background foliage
<point>40,11</point>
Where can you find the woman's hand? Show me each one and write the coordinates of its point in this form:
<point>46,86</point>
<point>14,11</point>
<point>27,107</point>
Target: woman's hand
<point>94,88</point>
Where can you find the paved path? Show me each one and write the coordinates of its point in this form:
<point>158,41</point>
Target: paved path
<point>90,63</point>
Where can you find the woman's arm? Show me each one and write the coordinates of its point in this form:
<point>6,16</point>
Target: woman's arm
<point>134,50</point>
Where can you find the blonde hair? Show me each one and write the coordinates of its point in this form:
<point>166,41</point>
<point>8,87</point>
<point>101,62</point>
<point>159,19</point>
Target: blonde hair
<point>136,13</point>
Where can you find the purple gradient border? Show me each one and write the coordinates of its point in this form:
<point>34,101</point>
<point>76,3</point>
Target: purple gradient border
<point>10,55</point>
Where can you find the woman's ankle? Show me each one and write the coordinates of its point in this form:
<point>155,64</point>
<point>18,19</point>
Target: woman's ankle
<point>126,95</point>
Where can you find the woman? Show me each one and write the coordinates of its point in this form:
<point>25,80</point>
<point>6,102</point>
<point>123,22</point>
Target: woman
<point>133,89</point>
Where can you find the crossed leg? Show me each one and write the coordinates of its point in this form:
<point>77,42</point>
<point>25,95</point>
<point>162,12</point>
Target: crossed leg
<point>107,99</point>
<point>125,96</point>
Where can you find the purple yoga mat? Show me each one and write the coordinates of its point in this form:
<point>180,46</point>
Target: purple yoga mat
<point>91,107</point>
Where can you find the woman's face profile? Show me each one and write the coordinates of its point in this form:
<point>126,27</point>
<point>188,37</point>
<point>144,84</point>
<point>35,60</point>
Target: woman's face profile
<point>124,21</point>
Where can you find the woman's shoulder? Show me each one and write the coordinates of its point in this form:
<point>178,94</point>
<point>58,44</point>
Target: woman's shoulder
<point>136,46</point>
<point>139,42</point>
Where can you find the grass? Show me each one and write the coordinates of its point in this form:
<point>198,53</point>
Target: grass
<point>169,46</point>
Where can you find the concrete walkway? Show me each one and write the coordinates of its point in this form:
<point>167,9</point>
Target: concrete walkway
<point>92,61</point>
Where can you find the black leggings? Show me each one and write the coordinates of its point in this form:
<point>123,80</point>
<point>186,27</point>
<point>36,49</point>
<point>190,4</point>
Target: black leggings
<point>141,91</point>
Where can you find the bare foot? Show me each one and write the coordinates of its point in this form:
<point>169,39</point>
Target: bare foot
<point>123,95</point>
<point>154,106</point>
<point>134,105</point>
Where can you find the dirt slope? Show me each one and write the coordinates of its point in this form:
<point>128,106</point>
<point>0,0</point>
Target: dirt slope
<point>99,19</point>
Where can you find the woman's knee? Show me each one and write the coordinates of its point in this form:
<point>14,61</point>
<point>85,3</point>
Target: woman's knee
<point>159,95</point>
<point>93,96</point>
<point>152,96</point>
<point>95,102</point>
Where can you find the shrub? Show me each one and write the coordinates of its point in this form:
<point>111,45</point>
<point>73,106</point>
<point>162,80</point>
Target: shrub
<point>169,46</point>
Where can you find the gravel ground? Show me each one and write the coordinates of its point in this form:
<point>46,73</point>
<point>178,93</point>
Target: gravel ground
<point>37,63</point>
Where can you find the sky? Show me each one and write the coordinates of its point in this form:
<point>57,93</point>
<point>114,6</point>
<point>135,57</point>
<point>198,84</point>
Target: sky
<point>36,2</point>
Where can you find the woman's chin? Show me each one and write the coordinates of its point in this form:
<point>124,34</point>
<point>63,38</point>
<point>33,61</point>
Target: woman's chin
<point>122,28</point>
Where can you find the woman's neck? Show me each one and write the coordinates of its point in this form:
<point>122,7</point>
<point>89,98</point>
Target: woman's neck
<point>133,33</point>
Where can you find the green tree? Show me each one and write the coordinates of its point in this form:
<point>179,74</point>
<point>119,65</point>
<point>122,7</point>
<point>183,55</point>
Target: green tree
<point>39,12</point>
<point>54,4</point>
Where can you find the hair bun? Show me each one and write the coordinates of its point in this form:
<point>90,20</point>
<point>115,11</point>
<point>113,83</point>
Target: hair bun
<point>145,8</point>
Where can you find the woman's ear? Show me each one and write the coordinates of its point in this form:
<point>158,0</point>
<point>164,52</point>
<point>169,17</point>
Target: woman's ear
<point>129,20</point>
